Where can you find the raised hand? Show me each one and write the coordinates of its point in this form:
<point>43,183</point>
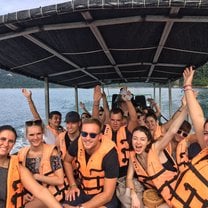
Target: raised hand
<point>26,93</point>
<point>188,75</point>
<point>126,94</point>
<point>97,94</point>
<point>82,105</point>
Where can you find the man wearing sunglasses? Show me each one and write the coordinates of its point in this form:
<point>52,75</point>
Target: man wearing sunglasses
<point>183,142</point>
<point>97,166</point>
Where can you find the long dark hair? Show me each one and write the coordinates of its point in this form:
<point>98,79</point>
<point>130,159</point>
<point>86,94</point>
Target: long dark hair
<point>147,132</point>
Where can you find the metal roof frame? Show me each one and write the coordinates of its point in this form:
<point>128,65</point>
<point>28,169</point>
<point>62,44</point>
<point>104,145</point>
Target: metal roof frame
<point>37,30</point>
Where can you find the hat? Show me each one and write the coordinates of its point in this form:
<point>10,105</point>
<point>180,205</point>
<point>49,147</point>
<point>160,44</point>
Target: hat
<point>72,116</point>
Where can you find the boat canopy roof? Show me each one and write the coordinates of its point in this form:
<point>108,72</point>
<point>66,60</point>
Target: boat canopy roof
<point>83,43</point>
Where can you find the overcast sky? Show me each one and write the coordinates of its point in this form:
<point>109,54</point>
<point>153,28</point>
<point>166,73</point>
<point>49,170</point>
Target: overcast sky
<point>7,6</point>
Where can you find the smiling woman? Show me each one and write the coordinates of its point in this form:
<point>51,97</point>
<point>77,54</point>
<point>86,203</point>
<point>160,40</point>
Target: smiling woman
<point>152,163</point>
<point>14,176</point>
<point>43,162</point>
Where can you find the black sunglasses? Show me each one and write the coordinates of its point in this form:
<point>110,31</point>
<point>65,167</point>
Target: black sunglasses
<point>83,117</point>
<point>33,123</point>
<point>184,134</point>
<point>85,134</point>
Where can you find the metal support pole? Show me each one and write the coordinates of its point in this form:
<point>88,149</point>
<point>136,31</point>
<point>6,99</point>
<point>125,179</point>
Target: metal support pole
<point>76,99</point>
<point>47,105</point>
<point>160,103</point>
<point>154,91</point>
<point>170,99</point>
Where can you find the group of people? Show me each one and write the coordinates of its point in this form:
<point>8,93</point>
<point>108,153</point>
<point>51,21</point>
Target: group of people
<point>112,158</point>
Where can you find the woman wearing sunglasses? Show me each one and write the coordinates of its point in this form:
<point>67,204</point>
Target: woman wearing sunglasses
<point>97,166</point>
<point>43,162</point>
<point>14,176</point>
<point>54,128</point>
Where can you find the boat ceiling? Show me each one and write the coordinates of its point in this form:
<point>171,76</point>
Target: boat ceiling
<point>83,43</point>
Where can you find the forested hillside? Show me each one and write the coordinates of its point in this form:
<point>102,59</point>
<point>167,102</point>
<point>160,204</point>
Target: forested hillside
<point>11,80</point>
<point>201,78</point>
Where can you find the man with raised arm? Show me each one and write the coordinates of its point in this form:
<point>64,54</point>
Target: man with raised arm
<point>53,129</point>
<point>115,130</point>
<point>191,189</point>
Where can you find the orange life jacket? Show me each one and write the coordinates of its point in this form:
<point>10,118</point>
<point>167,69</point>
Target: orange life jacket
<point>163,179</point>
<point>182,154</point>
<point>91,173</point>
<point>15,191</point>
<point>122,145</point>
<point>192,186</point>
<point>143,176</point>
<point>62,144</point>
<point>63,150</point>
<point>45,169</point>
<point>159,133</point>
<point>182,151</point>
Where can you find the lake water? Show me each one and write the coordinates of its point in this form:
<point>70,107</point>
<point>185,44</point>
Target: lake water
<point>15,110</point>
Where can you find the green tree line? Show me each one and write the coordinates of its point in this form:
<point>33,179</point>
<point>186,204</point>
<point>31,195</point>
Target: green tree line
<point>12,80</point>
<point>201,77</point>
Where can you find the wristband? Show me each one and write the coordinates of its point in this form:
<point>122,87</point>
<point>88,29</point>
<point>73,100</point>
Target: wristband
<point>187,86</point>
<point>188,89</point>
<point>73,185</point>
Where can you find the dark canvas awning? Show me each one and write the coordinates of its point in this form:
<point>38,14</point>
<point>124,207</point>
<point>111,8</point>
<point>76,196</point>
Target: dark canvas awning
<point>83,43</point>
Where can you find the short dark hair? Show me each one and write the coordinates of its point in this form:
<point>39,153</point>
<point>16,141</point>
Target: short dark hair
<point>9,128</point>
<point>52,113</point>
<point>116,111</point>
<point>185,126</point>
<point>152,115</point>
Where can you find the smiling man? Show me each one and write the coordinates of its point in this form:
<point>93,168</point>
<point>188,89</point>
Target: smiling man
<point>64,140</point>
<point>96,156</point>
